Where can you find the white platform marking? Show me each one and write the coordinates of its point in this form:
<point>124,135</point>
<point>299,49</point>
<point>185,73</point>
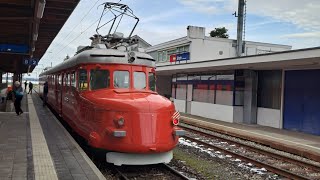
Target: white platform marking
<point>43,164</point>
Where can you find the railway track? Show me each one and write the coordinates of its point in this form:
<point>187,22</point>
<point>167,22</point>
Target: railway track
<point>159,171</point>
<point>282,165</point>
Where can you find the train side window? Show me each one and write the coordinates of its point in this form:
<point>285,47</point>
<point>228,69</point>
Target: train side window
<point>139,79</point>
<point>152,81</point>
<point>83,80</point>
<point>73,80</point>
<point>60,79</point>
<point>99,79</point>
<point>67,81</point>
<point>121,79</point>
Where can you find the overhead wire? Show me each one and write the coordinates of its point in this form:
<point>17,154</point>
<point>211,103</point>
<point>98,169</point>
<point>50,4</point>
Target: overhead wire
<point>79,22</point>
<point>62,49</point>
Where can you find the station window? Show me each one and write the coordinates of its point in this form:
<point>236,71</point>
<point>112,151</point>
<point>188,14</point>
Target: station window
<point>224,89</point>
<point>99,79</point>
<point>83,80</point>
<point>121,79</point>
<point>269,89</point>
<point>139,79</point>
<point>181,91</point>
<point>152,81</point>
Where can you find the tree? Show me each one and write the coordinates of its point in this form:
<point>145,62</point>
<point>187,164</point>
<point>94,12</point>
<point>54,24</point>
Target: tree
<point>219,32</point>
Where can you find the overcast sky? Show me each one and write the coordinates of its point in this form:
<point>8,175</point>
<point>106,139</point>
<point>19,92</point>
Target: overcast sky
<point>289,22</point>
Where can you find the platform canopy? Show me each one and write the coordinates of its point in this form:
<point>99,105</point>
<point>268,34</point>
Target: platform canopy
<point>27,28</point>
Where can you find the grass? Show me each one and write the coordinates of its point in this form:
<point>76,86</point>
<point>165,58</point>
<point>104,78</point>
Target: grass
<point>202,166</point>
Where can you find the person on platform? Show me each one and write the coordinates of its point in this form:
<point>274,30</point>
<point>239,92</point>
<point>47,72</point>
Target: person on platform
<point>25,86</point>
<point>30,87</point>
<point>18,95</point>
<point>45,93</point>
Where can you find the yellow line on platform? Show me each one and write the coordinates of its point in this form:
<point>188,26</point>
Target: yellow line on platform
<point>43,164</point>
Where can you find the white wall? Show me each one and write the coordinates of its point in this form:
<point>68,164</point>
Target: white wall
<point>180,105</point>
<point>201,50</point>
<point>238,114</point>
<point>212,111</point>
<point>269,117</point>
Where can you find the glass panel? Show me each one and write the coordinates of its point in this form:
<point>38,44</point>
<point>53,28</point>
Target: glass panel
<point>99,79</point>
<point>73,79</point>
<point>121,79</point>
<point>173,91</point>
<point>200,93</point>
<point>59,79</point>
<point>181,92</point>
<point>68,79</point>
<point>186,48</point>
<point>224,89</point>
<point>139,79</point>
<point>152,81</point>
<point>269,89</point>
<point>83,80</point>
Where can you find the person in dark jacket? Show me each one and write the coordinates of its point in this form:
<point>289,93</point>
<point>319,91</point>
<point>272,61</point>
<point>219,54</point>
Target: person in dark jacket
<point>25,86</point>
<point>30,88</point>
<point>18,95</point>
<point>45,93</point>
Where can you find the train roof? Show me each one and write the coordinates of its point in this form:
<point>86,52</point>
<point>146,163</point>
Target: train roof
<point>104,56</point>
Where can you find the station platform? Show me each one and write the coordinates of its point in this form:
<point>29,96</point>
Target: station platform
<point>298,143</point>
<point>34,145</point>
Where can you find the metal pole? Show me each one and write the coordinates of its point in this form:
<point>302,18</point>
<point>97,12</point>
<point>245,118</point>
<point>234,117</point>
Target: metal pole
<point>240,27</point>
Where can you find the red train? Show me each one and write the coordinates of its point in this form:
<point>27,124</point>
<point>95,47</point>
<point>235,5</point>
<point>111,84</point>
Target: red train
<point>109,98</point>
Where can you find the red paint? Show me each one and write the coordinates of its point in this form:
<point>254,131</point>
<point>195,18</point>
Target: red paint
<point>94,114</point>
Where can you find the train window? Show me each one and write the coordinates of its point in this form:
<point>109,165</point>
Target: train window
<point>139,79</point>
<point>73,79</point>
<point>83,80</point>
<point>152,81</point>
<point>60,79</point>
<point>99,79</point>
<point>121,79</point>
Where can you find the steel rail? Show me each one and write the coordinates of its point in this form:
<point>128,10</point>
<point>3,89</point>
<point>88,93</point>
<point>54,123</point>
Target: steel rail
<point>269,167</point>
<point>175,172</point>
<point>122,175</point>
<point>255,149</point>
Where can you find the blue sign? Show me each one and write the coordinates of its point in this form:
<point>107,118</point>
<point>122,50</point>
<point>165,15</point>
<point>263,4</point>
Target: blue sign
<point>31,62</point>
<point>183,56</point>
<point>14,48</point>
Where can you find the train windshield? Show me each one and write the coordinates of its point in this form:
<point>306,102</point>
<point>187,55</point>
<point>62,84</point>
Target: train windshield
<point>121,79</point>
<point>139,79</point>
<point>152,81</point>
<point>99,79</point>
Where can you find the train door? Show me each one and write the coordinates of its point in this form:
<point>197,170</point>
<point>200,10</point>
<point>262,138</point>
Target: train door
<point>73,96</point>
<point>65,97</point>
<point>83,85</point>
<point>58,91</point>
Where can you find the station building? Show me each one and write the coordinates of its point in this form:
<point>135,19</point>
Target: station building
<point>269,85</point>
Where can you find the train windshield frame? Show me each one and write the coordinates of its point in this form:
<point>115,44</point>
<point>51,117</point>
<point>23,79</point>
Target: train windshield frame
<point>139,79</point>
<point>152,81</point>
<point>99,79</point>
<point>121,79</point>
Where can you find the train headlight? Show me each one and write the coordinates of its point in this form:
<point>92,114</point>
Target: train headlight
<point>131,57</point>
<point>175,121</point>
